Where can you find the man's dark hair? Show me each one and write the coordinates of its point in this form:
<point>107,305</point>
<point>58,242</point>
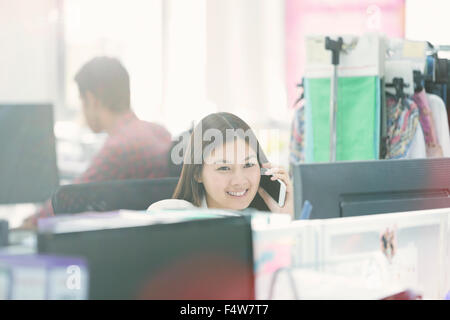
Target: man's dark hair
<point>108,80</point>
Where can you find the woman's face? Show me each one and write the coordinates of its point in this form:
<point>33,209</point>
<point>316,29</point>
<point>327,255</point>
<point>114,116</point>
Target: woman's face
<point>231,175</point>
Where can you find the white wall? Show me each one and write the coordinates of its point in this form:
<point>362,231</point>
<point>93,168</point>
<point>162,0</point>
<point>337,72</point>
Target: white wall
<point>246,58</point>
<point>428,21</point>
<point>128,30</point>
<point>28,51</point>
<point>186,58</point>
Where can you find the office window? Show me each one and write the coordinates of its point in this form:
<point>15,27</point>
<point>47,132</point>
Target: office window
<point>186,58</point>
<point>128,30</point>
<point>184,64</point>
<point>28,51</point>
<point>428,21</point>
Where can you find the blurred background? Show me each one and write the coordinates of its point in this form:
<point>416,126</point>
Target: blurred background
<point>186,58</point>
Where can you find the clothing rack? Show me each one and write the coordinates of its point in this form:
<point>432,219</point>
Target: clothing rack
<point>335,47</point>
<point>365,67</point>
<point>398,84</point>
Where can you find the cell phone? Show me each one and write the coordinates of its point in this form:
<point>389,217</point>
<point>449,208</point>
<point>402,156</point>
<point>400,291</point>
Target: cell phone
<point>275,188</point>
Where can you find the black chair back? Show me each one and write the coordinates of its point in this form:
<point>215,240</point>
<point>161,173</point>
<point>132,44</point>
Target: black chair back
<point>136,194</point>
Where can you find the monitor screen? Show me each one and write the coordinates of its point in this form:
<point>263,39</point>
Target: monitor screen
<point>355,188</point>
<point>208,258</point>
<point>28,167</point>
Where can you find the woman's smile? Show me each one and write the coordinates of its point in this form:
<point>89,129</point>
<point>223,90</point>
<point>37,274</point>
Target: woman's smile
<point>237,194</point>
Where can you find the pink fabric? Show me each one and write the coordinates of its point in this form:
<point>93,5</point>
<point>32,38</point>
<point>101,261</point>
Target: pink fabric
<point>427,123</point>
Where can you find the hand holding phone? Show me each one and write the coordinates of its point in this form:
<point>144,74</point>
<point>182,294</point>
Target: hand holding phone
<point>275,188</point>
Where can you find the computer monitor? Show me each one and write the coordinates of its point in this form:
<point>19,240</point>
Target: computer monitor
<point>28,167</point>
<point>210,258</point>
<point>354,188</point>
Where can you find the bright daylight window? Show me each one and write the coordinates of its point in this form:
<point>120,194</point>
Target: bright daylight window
<point>132,32</point>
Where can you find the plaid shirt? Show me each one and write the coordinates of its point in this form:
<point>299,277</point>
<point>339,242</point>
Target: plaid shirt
<point>134,149</point>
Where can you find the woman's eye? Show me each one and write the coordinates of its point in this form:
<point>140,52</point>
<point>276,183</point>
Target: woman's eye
<point>249,165</point>
<point>223,168</point>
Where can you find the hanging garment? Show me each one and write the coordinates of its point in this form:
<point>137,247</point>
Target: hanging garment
<point>402,119</point>
<point>417,150</point>
<point>433,147</point>
<point>437,69</point>
<point>357,128</point>
<point>439,112</point>
<point>383,121</point>
<point>308,134</point>
<point>297,154</point>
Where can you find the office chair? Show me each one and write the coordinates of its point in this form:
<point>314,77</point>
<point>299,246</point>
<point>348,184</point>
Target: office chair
<point>136,194</point>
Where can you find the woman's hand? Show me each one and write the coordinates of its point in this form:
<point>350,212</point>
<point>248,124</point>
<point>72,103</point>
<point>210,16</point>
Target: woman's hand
<point>278,173</point>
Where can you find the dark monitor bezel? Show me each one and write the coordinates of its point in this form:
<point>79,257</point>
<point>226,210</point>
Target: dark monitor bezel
<point>354,188</point>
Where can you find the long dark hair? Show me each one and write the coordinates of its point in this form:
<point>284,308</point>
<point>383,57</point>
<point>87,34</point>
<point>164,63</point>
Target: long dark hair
<point>188,187</point>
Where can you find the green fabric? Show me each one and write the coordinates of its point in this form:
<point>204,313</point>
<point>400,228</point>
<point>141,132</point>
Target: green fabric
<point>357,118</point>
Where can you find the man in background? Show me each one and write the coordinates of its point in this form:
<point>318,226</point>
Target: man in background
<point>134,149</point>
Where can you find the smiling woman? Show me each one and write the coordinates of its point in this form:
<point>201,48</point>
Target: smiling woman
<point>222,169</point>
<point>230,177</point>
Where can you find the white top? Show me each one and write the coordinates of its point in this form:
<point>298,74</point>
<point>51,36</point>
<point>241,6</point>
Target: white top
<point>440,120</point>
<point>418,149</point>
<point>439,114</point>
<point>175,204</point>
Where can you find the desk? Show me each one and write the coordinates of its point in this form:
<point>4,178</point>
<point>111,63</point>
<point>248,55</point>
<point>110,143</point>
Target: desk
<point>333,251</point>
<point>352,247</point>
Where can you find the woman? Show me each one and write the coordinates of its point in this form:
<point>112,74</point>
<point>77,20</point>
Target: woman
<point>222,169</point>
